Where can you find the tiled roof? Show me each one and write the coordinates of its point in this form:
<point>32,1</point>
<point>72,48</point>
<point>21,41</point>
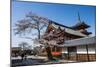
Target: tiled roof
<point>80,24</point>
<point>80,41</point>
<point>69,30</point>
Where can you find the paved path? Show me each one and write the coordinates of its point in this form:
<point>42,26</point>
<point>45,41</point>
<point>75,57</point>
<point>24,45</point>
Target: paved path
<point>31,60</point>
<point>25,62</point>
<point>33,57</point>
<point>35,60</point>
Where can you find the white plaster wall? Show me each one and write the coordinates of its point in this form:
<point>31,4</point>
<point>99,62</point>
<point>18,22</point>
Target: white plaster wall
<point>92,49</point>
<point>64,50</point>
<point>82,49</point>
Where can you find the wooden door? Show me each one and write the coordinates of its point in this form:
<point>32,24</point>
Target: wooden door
<point>72,51</point>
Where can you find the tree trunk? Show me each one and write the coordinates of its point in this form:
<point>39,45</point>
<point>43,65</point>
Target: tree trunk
<point>38,28</point>
<point>38,34</point>
<point>48,50</point>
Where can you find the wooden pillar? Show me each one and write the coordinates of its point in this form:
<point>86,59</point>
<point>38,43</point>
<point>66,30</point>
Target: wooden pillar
<point>62,52</point>
<point>51,48</point>
<point>76,54</point>
<point>68,53</point>
<point>87,53</point>
<point>55,48</point>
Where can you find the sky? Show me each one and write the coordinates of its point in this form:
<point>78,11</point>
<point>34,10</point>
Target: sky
<point>66,14</point>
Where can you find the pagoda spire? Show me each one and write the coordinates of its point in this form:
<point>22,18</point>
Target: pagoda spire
<point>79,20</point>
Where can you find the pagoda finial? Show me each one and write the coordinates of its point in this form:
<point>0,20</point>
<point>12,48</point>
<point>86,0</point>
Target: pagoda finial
<point>79,20</point>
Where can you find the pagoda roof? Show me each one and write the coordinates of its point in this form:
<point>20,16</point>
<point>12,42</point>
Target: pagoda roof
<point>80,25</point>
<point>86,32</point>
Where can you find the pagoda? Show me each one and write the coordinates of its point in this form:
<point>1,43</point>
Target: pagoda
<point>81,26</point>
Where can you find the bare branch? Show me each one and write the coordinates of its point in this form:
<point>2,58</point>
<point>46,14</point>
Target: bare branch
<point>37,18</point>
<point>44,25</point>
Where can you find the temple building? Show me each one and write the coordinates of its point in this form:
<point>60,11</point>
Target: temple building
<point>73,43</point>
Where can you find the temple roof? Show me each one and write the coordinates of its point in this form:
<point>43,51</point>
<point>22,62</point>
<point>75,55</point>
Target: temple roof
<point>53,22</point>
<point>68,30</point>
<point>16,48</point>
<point>80,41</point>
